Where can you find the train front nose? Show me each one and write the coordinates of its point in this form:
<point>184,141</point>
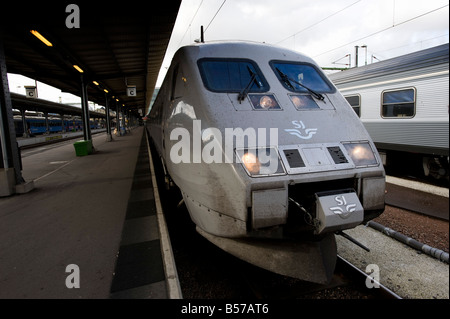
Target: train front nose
<point>338,211</point>
<point>312,261</point>
<point>330,212</point>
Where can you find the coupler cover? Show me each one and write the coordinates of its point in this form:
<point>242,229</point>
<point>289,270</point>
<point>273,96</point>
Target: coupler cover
<point>338,211</point>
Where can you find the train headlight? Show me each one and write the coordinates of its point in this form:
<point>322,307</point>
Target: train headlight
<point>264,102</point>
<point>361,153</point>
<point>251,163</point>
<point>261,161</point>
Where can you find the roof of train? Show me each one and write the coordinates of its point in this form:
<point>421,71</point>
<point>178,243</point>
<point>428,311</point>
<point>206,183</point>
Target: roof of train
<point>419,59</point>
<point>243,49</point>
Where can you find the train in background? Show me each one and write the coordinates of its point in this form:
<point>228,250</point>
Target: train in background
<point>37,125</point>
<point>404,104</point>
<point>269,157</point>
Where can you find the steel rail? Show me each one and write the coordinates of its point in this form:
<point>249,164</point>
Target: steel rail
<point>361,277</point>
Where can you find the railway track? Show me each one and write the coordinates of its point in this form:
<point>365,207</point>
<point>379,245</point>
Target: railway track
<point>378,290</point>
<point>348,282</point>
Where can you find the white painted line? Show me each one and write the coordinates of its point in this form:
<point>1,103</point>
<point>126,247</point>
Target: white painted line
<point>50,173</point>
<point>440,191</point>
<point>58,162</point>
<point>173,284</point>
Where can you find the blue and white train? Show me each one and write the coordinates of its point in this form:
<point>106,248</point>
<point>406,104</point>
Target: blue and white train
<point>38,125</point>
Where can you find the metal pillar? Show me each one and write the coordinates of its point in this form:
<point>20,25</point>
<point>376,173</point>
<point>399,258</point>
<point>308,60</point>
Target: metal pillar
<point>24,124</point>
<point>11,179</point>
<point>108,120</point>
<point>124,120</point>
<point>63,128</point>
<point>3,139</point>
<point>117,119</point>
<point>10,152</point>
<point>47,128</point>
<point>85,111</point>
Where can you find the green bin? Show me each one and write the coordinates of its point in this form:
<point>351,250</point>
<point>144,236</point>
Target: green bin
<point>83,148</point>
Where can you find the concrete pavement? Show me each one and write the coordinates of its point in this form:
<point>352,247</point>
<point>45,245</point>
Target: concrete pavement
<point>75,215</point>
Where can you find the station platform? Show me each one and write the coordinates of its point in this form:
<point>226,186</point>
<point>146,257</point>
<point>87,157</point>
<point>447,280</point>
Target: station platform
<point>25,142</point>
<point>418,197</point>
<point>97,213</point>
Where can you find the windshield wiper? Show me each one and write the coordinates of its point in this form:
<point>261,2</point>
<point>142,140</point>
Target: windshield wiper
<point>245,91</point>
<point>289,82</point>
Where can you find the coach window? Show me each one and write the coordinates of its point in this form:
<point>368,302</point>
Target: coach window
<point>231,75</point>
<point>399,103</point>
<point>355,103</point>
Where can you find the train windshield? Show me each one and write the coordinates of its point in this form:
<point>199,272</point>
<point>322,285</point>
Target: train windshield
<point>232,75</point>
<point>300,77</point>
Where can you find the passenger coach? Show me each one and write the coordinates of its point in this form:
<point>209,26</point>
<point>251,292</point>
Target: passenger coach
<point>404,105</point>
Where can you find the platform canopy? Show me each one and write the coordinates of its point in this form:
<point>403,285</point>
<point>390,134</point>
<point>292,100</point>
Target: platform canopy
<point>117,44</point>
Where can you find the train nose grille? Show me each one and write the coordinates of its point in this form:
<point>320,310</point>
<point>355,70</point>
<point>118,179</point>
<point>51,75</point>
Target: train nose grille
<point>294,159</point>
<point>337,155</point>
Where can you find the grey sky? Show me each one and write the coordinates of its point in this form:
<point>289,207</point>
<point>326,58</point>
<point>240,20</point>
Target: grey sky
<point>326,30</point>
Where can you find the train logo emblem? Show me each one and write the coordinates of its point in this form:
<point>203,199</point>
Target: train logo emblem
<point>343,209</point>
<point>301,131</point>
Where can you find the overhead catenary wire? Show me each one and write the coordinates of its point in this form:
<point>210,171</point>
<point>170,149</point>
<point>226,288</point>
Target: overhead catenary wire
<point>378,53</point>
<point>215,15</point>
<point>314,24</point>
<point>380,31</point>
<point>190,23</point>
<point>195,14</point>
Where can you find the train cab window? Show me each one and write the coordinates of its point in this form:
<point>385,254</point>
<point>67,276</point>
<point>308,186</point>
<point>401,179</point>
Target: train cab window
<point>300,77</point>
<point>231,75</point>
<point>399,103</point>
<point>355,103</point>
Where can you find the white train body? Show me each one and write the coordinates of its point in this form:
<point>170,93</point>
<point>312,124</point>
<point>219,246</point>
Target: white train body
<point>404,104</point>
<point>271,174</point>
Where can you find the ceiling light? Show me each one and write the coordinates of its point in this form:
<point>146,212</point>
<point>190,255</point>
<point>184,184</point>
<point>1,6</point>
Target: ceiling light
<point>41,37</point>
<point>95,82</point>
<point>76,67</point>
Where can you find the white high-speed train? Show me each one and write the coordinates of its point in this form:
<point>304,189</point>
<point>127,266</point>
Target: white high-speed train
<point>270,158</point>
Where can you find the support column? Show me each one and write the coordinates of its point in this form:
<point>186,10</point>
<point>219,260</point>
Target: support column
<point>124,120</point>
<point>11,179</point>
<point>85,111</point>
<point>47,128</point>
<point>26,133</point>
<point>117,119</point>
<point>108,120</point>
<point>63,128</point>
